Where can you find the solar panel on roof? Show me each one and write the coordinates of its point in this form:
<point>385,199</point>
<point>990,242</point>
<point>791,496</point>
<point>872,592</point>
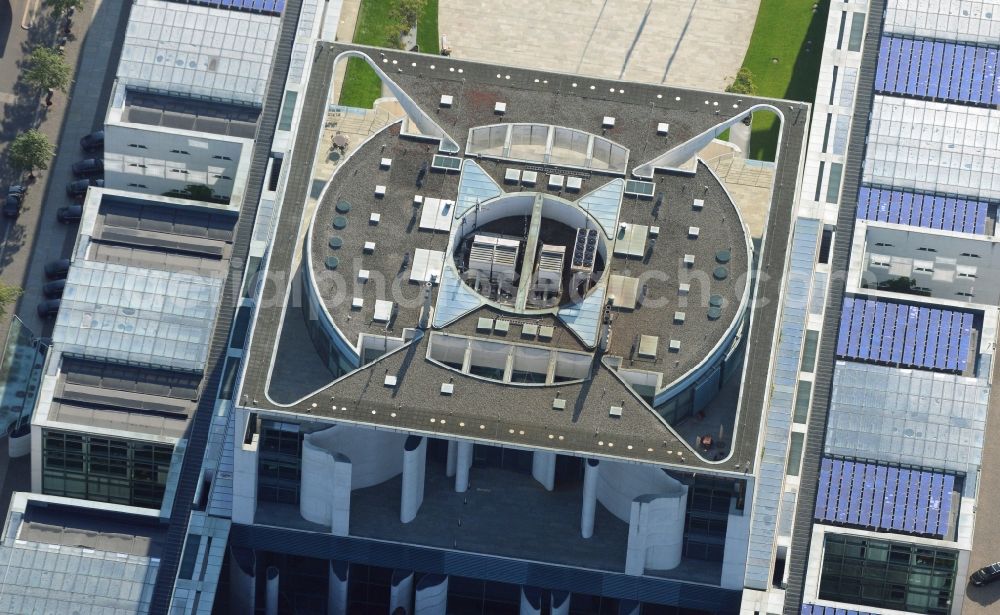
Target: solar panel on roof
<point>823,490</point>
<point>819,609</point>
<point>936,70</point>
<point>268,7</point>
<point>845,323</point>
<point>924,495</point>
<point>909,336</point>
<point>914,209</point>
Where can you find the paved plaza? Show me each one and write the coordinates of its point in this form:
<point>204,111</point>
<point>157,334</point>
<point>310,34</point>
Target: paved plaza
<point>684,43</point>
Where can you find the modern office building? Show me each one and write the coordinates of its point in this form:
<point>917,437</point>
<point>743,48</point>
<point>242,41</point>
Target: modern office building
<point>902,175</point>
<point>148,289</point>
<point>518,350</point>
<point>503,368</point>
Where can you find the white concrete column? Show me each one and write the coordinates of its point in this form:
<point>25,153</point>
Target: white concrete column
<point>414,464</point>
<point>462,464</point>
<point>452,462</point>
<point>340,506</point>
<point>559,602</point>
<point>432,595</point>
<point>36,456</point>
<point>734,558</point>
<point>591,473</point>
<point>245,469</point>
<point>531,601</point>
<point>543,468</point>
<point>336,592</point>
<point>401,593</point>
<point>242,587</point>
<point>271,595</point>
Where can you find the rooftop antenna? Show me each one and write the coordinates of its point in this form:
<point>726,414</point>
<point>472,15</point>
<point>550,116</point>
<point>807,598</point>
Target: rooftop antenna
<point>425,313</point>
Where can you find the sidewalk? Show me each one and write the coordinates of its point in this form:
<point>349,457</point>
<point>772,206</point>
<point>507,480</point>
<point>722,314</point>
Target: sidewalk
<point>36,237</point>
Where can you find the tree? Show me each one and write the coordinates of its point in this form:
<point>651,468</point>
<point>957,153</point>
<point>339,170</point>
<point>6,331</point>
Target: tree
<point>48,70</point>
<point>743,83</point>
<point>30,150</point>
<point>407,12</point>
<point>8,294</point>
<point>58,7</point>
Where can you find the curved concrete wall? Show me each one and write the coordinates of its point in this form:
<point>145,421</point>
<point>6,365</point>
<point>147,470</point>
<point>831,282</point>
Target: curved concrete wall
<point>531,601</point>
<point>619,484</point>
<point>376,455</point>
<point>19,443</point>
<point>325,490</point>
<point>432,595</point>
<point>271,595</point>
<point>656,532</point>
<point>559,602</point>
<point>401,592</point>
<point>242,585</point>
<point>336,591</point>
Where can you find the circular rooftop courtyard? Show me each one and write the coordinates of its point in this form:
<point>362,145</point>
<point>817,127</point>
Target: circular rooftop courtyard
<point>535,271</point>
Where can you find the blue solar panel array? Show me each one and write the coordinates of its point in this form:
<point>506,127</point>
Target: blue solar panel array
<point>819,609</point>
<point>938,212</point>
<point>884,497</point>
<point>904,335</point>
<point>268,7</point>
<point>938,70</point>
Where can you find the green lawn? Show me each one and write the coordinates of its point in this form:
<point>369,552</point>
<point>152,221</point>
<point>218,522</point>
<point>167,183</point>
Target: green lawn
<point>427,29</point>
<point>780,65</point>
<point>376,27</point>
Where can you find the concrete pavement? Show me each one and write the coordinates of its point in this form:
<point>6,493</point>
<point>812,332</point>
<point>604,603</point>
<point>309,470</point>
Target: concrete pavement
<point>986,536</point>
<point>685,43</point>
<point>35,237</point>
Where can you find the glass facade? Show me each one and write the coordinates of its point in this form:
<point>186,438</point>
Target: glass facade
<point>707,519</point>
<point>304,590</point>
<point>889,575</point>
<point>279,469</point>
<point>104,469</point>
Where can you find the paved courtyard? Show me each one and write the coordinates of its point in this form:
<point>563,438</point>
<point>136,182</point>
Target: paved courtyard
<point>687,43</point>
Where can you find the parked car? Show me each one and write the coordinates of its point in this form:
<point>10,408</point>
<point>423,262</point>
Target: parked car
<point>12,205</point>
<point>48,308</point>
<point>55,270</point>
<point>79,187</point>
<point>88,167</point>
<point>70,213</point>
<point>93,142</point>
<point>53,289</point>
<point>986,574</point>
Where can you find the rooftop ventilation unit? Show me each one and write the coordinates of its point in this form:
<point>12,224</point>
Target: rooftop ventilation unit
<point>494,257</point>
<point>608,122</point>
<point>447,100</point>
<point>548,276</point>
<point>500,108</point>
<point>584,250</point>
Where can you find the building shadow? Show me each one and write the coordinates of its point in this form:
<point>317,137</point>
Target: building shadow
<point>6,22</point>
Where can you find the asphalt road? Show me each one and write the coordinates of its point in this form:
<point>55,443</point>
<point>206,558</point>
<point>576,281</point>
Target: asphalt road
<point>92,47</point>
